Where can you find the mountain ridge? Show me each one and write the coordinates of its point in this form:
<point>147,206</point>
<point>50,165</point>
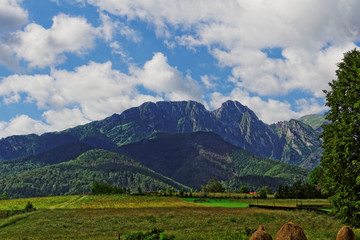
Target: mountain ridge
<point>235,123</point>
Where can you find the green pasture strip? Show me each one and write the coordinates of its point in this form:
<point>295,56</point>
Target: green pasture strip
<point>94,201</point>
<point>38,202</point>
<point>219,203</point>
<point>228,195</point>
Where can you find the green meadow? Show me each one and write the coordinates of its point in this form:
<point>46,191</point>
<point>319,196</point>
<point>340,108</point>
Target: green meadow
<point>111,216</point>
<point>226,203</point>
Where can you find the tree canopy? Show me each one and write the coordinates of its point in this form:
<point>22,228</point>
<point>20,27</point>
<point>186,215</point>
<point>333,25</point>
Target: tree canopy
<point>341,143</point>
<point>213,186</point>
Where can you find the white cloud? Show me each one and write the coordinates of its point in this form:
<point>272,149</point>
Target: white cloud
<point>208,81</point>
<point>110,27</point>
<point>12,15</point>
<point>313,36</point>
<point>300,69</point>
<point>43,47</point>
<point>157,75</point>
<point>64,118</point>
<point>20,125</point>
<point>6,57</point>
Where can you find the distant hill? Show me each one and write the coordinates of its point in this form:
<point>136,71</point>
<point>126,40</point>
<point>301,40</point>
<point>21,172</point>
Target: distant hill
<point>56,155</point>
<point>314,120</point>
<point>235,123</point>
<point>27,145</point>
<point>76,176</point>
<point>193,159</point>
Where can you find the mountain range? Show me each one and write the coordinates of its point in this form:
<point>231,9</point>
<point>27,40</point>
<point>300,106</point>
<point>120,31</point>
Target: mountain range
<point>182,142</point>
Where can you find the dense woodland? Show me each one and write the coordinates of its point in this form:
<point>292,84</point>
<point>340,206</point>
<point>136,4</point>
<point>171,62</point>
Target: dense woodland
<point>77,176</point>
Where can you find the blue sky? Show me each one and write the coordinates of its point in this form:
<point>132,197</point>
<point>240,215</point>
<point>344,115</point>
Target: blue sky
<point>69,62</point>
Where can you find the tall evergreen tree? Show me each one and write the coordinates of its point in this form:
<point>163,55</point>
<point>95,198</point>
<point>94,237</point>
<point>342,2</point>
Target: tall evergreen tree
<point>341,143</point>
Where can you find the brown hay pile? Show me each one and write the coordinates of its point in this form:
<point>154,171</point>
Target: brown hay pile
<point>260,234</point>
<point>345,233</point>
<point>290,231</point>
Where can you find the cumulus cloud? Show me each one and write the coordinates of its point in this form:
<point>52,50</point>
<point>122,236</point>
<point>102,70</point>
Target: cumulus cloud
<point>22,124</point>
<point>91,92</point>
<point>12,15</point>
<point>157,75</point>
<point>43,47</point>
<point>312,36</point>
<point>298,69</point>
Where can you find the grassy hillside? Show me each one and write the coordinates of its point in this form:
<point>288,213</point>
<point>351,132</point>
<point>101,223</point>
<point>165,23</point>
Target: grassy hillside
<point>192,159</point>
<point>77,176</point>
<point>314,120</point>
<point>105,217</point>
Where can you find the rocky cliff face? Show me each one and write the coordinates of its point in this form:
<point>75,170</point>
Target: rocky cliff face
<point>298,141</point>
<point>291,142</point>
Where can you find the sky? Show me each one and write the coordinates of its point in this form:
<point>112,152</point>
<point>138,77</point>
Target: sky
<point>68,62</point>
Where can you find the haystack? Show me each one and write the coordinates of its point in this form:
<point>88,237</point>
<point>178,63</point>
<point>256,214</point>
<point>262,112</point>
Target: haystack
<point>260,234</point>
<point>345,233</point>
<point>290,231</point>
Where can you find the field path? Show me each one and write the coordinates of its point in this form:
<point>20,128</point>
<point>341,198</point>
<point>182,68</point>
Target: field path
<point>69,204</point>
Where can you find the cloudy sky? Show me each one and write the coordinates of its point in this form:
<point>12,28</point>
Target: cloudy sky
<point>68,62</point>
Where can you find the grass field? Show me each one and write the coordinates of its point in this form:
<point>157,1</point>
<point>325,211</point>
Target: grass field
<point>104,217</point>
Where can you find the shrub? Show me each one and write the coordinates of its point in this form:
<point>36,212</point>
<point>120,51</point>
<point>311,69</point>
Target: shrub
<point>29,207</point>
<point>263,193</point>
<point>154,234</point>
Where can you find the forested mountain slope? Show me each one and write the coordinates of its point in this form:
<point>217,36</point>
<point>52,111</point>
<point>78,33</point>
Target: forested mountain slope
<point>76,176</point>
<point>193,159</point>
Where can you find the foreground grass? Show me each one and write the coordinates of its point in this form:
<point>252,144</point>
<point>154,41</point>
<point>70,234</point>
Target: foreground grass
<point>104,217</point>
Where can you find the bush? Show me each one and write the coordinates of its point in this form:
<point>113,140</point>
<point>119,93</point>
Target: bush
<point>263,193</point>
<point>154,234</point>
<point>29,207</point>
